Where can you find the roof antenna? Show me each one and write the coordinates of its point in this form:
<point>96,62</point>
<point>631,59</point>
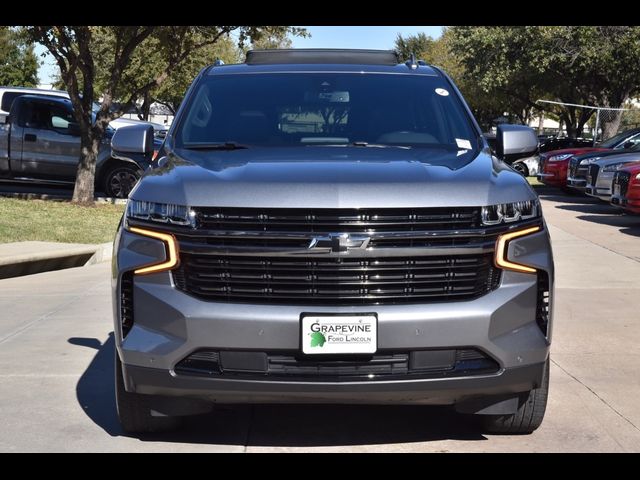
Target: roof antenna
<point>411,63</point>
<point>218,62</point>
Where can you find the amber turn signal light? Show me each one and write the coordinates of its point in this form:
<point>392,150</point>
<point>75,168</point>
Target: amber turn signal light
<point>502,246</point>
<point>171,249</point>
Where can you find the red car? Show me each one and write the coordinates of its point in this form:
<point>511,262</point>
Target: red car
<point>626,189</point>
<point>554,164</point>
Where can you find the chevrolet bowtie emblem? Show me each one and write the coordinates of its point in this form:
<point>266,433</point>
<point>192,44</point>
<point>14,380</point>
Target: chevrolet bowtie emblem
<point>339,242</point>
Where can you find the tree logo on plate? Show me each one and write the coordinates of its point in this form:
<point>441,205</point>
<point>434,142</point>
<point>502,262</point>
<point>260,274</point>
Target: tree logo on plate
<point>317,339</point>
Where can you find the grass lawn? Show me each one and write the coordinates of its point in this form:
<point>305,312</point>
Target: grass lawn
<point>53,221</point>
<point>533,181</point>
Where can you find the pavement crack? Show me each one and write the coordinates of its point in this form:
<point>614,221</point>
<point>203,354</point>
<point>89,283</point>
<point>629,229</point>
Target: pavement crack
<point>596,395</point>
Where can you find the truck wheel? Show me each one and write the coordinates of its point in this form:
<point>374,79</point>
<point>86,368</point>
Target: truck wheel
<point>134,412</point>
<point>521,168</point>
<point>120,179</point>
<point>528,417</point>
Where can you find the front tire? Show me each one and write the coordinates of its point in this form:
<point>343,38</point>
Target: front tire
<point>134,411</point>
<point>529,415</point>
<point>119,180</point>
<point>521,168</point>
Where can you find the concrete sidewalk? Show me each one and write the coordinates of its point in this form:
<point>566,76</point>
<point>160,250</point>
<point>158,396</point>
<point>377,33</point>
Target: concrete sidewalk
<point>27,258</point>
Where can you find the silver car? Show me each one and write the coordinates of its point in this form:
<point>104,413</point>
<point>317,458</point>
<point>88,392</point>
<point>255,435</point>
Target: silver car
<point>600,174</point>
<point>330,226</point>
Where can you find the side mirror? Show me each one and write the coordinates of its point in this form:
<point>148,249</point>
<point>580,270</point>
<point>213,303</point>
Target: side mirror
<point>134,142</point>
<point>515,141</point>
<point>628,145</point>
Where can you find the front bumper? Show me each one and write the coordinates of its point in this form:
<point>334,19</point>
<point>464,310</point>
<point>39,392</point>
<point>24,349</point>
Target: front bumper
<point>554,174</point>
<point>170,325</point>
<point>631,201</point>
<point>155,381</point>
<point>577,183</point>
<point>602,187</point>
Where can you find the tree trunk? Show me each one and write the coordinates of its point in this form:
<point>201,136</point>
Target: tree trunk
<point>610,123</point>
<point>83,192</point>
<point>541,123</point>
<point>145,109</point>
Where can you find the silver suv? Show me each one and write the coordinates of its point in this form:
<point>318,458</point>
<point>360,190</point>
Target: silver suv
<point>330,226</point>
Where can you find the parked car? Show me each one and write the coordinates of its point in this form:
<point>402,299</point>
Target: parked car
<point>626,189</point>
<point>41,143</point>
<point>555,164</point>
<point>328,226</point>
<point>601,172</point>
<point>559,143</point>
<point>527,166</point>
<point>579,166</point>
<point>9,94</point>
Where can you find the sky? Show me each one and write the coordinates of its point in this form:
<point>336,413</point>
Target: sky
<point>374,37</point>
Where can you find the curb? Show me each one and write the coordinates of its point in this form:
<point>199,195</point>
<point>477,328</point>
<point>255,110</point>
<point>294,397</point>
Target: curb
<point>31,263</point>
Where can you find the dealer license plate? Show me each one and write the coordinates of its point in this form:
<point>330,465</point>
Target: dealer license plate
<point>339,334</point>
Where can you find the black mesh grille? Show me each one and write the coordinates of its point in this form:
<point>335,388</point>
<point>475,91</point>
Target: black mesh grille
<point>593,174</point>
<point>622,179</point>
<point>573,167</point>
<point>336,220</point>
<point>542,309</point>
<point>382,365</point>
<point>126,302</point>
<point>336,280</point>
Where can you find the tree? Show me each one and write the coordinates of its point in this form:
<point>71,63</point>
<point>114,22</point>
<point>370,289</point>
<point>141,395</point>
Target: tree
<point>18,62</point>
<point>420,45</point>
<point>588,65</point>
<point>129,78</point>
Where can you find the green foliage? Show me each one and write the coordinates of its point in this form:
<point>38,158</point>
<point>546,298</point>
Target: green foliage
<point>421,45</point>
<point>18,62</point>
<point>588,65</point>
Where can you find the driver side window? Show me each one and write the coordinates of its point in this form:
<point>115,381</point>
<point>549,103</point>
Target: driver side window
<point>51,117</point>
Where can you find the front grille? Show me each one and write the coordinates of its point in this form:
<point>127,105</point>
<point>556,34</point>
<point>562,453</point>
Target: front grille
<point>336,220</point>
<point>593,174</point>
<point>380,366</point>
<point>336,280</point>
<point>622,179</point>
<point>542,307</point>
<point>126,303</point>
<point>573,167</point>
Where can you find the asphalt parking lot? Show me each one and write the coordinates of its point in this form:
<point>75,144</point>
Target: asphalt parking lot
<point>56,367</point>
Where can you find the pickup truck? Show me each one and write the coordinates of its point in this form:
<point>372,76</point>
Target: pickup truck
<point>40,143</point>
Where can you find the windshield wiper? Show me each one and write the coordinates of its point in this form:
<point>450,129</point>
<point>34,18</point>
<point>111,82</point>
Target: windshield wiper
<point>216,146</point>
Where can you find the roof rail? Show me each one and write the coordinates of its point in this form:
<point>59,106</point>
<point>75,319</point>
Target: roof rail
<point>322,55</point>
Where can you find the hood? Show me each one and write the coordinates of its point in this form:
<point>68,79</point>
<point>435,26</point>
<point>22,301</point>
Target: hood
<point>619,158</point>
<point>330,177</point>
<point>572,151</point>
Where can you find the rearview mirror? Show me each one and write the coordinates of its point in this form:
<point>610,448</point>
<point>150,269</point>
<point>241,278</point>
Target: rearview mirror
<point>515,141</point>
<point>134,142</point>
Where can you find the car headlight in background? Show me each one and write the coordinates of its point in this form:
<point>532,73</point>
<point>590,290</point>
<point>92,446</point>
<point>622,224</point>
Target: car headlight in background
<point>160,212</point>
<point>589,161</point>
<point>510,212</point>
<point>617,166</point>
<point>638,177</point>
<point>558,158</point>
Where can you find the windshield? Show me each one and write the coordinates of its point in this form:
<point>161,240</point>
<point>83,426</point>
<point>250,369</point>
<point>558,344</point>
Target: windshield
<point>307,109</point>
<point>613,141</point>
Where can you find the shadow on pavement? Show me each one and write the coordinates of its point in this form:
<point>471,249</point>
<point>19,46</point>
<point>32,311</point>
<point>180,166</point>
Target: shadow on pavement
<point>599,208</point>
<point>628,224</point>
<point>275,425</point>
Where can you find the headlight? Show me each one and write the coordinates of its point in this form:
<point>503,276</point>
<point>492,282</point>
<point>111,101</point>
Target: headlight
<point>616,166</point>
<point>558,158</point>
<point>160,212</point>
<point>502,251</point>
<point>589,161</point>
<point>510,212</point>
<point>638,177</point>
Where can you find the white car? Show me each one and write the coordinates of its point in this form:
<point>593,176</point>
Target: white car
<point>528,166</point>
